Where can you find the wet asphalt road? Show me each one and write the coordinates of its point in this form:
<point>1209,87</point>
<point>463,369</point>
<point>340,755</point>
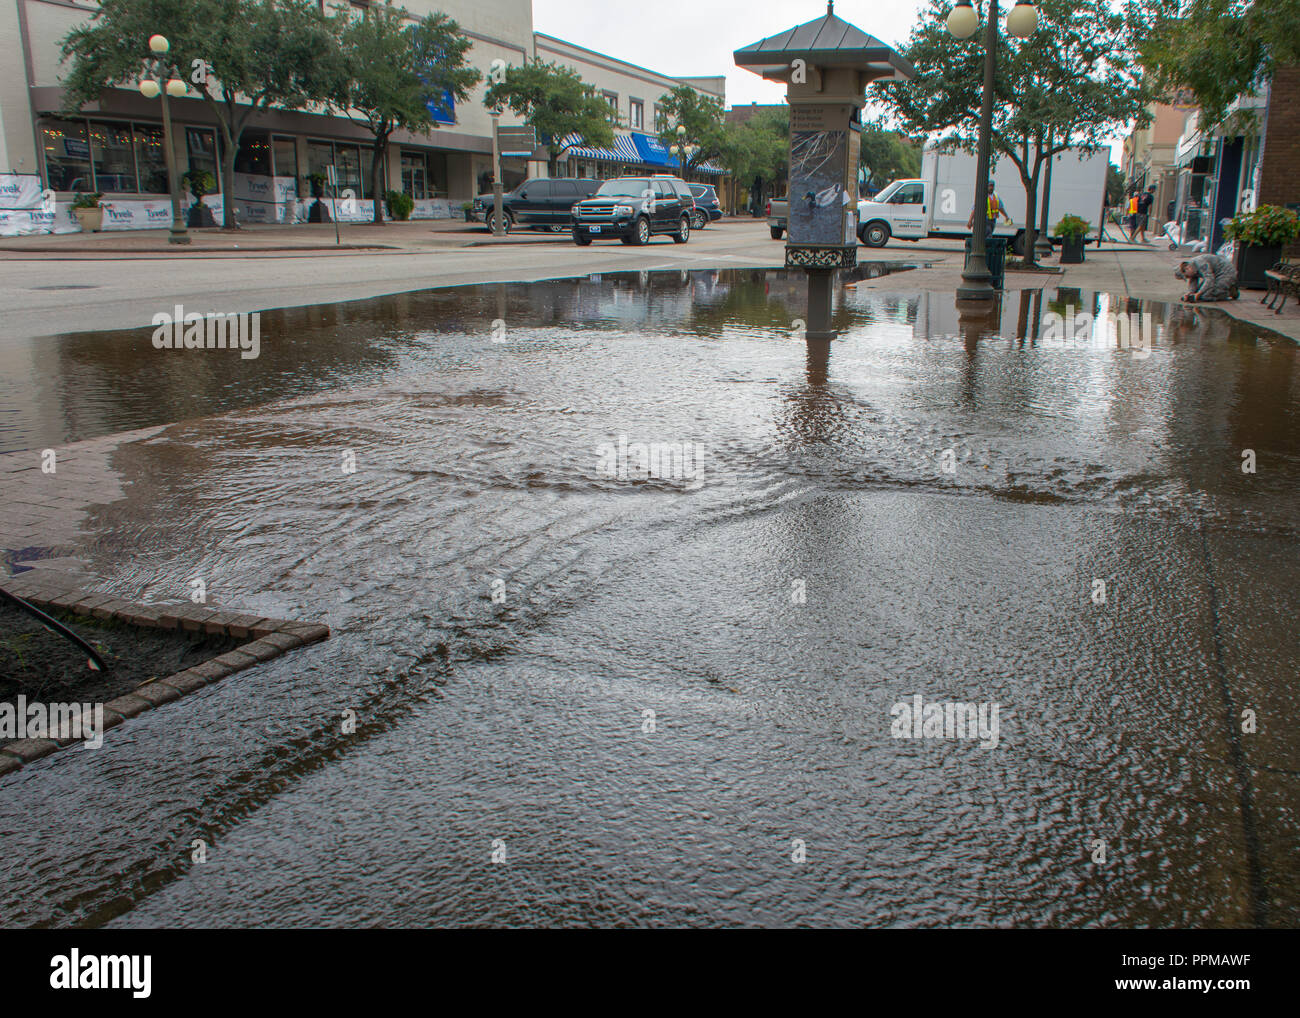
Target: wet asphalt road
<point>521,726</point>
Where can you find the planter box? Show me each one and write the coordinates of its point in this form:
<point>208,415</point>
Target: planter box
<point>199,216</point>
<point>92,219</point>
<point>1252,262</point>
<point>1071,250</point>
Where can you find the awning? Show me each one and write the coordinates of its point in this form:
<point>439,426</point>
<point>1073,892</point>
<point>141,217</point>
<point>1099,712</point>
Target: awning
<point>654,152</point>
<point>624,153</point>
<point>639,150</point>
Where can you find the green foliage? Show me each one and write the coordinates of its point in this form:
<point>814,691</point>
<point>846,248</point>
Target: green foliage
<point>1267,226</point>
<point>392,67</point>
<point>1072,227</point>
<point>555,102</point>
<point>199,182</point>
<point>261,54</point>
<point>701,115</point>
<point>887,155</point>
<point>758,147</point>
<point>400,204</point>
<point>1073,82</point>
<point>87,199</point>
<point>1116,185</point>
<point>1217,49</point>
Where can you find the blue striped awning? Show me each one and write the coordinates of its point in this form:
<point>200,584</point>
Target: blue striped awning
<point>620,153</point>
<point>637,149</point>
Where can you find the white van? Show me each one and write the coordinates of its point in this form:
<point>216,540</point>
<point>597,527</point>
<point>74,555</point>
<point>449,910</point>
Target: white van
<point>939,202</point>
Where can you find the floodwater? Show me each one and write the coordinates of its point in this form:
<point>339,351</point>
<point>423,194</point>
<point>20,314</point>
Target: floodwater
<point>671,700</point>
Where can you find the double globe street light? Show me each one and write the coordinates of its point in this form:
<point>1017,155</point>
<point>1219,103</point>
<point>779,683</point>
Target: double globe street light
<point>682,150</point>
<point>152,86</point>
<point>1022,22</point>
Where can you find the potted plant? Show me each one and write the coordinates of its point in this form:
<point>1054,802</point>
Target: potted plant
<point>89,213</point>
<point>1261,236</point>
<point>1071,229</point>
<point>467,207</point>
<point>400,205</point>
<point>199,182</point>
<point>318,213</point>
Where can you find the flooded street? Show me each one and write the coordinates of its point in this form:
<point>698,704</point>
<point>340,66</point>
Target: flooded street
<point>649,692</point>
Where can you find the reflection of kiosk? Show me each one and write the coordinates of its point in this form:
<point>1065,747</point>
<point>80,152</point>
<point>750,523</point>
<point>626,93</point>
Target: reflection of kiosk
<point>826,65</point>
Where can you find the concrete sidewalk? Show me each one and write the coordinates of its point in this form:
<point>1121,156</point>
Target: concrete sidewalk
<point>301,238</point>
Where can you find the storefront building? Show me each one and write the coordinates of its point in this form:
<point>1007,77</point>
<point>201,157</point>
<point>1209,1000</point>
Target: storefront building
<point>117,146</point>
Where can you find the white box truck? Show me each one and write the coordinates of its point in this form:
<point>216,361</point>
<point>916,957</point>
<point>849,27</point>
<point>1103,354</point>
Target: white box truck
<point>939,202</point>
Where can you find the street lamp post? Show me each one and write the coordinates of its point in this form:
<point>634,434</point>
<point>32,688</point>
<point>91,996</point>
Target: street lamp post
<point>160,84</point>
<point>962,22</point>
<point>682,150</point>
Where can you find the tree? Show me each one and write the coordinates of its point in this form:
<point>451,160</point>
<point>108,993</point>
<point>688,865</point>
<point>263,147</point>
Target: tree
<point>1219,49</point>
<point>243,56</point>
<point>395,71</point>
<point>1116,185</point>
<point>701,115</point>
<point>1072,83</point>
<point>757,147</point>
<point>562,108</point>
<point>887,155</point>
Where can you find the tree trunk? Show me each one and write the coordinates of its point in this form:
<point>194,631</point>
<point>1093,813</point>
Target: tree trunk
<point>378,176</point>
<point>1031,209</point>
<point>229,146</point>
<point>228,220</point>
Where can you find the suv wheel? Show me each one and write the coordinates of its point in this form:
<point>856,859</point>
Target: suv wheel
<point>642,234</point>
<point>490,219</point>
<point>699,220</point>
<point>683,233</point>
<point>581,239</point>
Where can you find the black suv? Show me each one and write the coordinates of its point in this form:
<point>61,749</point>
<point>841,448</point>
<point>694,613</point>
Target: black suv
<point>537,203</point>
<point>635,208</point>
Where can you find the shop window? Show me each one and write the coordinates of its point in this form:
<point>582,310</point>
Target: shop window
<point>201,151</point>
<point>151,159</point>
<point>347,160</point>
<point>254,155</point>
<point>415,174</point>
<point>67,156</point>
<point>437,183</point>
<point>285,151</point>
<point>113,157</point>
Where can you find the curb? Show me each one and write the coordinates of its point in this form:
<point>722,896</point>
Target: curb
<point>267,638</point>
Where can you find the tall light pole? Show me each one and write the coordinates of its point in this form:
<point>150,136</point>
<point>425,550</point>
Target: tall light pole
<point>153,87</point>
<point>682,150</point>
<point>962,22</point>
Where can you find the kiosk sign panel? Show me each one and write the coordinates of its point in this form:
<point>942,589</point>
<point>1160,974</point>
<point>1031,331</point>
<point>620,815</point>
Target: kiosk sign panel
<point>824,144</point>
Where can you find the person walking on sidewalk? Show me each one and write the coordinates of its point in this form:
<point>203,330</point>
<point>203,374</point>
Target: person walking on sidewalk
<point>1132,217</point>
<point>1145,202</point>
<point>995,209</point>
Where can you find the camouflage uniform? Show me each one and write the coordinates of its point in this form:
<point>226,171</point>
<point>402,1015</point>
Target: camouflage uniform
<point>1214,278</point>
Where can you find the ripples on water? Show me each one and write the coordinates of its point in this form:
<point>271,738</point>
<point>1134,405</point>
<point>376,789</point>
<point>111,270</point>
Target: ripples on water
<point>477,469</point>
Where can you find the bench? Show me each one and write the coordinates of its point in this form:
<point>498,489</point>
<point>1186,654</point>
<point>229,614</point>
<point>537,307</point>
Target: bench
<point>1284,282</point>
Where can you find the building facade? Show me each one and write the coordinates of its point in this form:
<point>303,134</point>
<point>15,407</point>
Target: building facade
<point>116,146</point>
<point>1148,158</point>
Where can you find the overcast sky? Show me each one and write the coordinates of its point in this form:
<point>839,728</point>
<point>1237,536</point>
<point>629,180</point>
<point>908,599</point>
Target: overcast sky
<point>689,38</point>
<point>686,38</point>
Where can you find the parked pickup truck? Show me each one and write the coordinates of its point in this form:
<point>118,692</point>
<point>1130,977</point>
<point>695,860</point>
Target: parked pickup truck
<point>777,211</point>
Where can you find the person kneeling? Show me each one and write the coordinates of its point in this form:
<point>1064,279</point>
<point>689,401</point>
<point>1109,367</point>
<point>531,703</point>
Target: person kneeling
<point>1212,278</point>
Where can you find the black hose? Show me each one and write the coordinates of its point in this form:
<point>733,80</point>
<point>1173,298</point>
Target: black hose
<point>55,626</point>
